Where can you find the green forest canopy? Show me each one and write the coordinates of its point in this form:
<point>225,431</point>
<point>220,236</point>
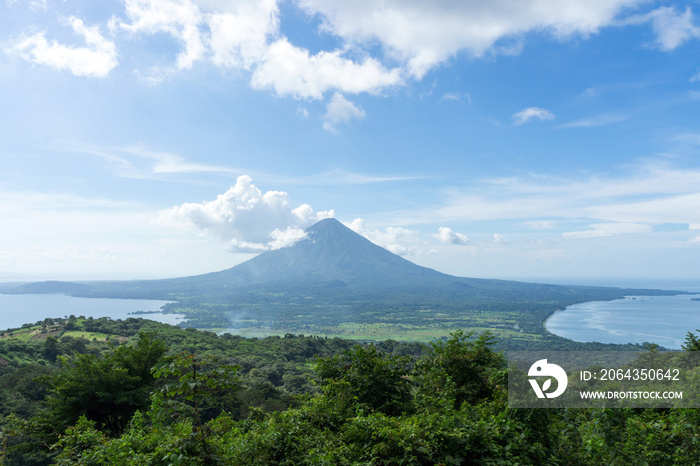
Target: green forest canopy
<point>97,391</point>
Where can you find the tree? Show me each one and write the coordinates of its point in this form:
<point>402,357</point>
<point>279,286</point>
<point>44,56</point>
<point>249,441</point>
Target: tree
<point>692,342</point>
<point>199,380</point>
<point>369,377</point>
<point>462,368</point>
<point>105,389</point>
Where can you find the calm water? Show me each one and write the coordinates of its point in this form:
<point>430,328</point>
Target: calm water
<point>16,310</point>
<point>663,320</point>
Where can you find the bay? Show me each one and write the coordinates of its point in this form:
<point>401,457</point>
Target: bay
<point>19,309</point>
<point>664,320</point>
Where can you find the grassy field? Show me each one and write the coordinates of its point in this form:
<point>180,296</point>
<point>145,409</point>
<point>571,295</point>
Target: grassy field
<point>380,331</point>
<point>42,331</point>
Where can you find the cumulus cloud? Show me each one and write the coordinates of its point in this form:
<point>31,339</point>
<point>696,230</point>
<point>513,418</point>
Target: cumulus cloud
<point>425,34</point>
<point>380,45</point>
<point>240,35</point>
<point>340,110</point>
<point>97,59</point>
<point>180,19</point>
<point>417,35</point>
<point>246,35</point>
<point>609,229</point>
<point>247,219</point>
<point>446,236</point>
<point>400,241</point>
<point>531,113</point>
<point>414,36</point>
<point>293,71</point>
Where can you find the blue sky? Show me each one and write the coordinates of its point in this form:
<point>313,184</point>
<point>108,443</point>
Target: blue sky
<point>529,139</point>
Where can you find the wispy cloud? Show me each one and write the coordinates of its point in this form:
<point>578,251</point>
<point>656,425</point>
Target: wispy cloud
<point>651,194</point>
<point>532,113</point>
<point>341,177</point>
<point>18,203</point>
<point>671,26</point>
<point>457,97</point>
<point>598,230</point>
<point>598,120</point>
<point>139,162</point>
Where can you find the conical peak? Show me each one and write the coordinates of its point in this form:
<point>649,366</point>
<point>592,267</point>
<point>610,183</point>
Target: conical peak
<point>330,230</point>
<point>327,224</point>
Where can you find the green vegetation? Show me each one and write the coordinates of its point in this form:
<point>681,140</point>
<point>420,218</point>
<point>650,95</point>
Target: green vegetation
<point>136,392</point>
<point>512,310</point>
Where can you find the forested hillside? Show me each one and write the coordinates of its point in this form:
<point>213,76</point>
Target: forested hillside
<point>97,391</point>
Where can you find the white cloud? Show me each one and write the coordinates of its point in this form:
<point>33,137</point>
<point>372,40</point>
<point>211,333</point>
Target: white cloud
<point>672,27</point>
<point>179,18</point>
<point>247,219</point>
<point>400,241</point>
<point>246,35</point>
<point>293,71</point>
<point>128,162</point>
<point>426,34</point>
<point>415,36</point>
<point>599,120</point>
<point>239,36</point>
<point>499,239</point>
<point>340,110</point>
<point>95,60</point>
<point>457,97</point>
<point>340,177</point>
<point>609,229</point>
<point>528,114</point>
<point>651,193</point>
<point>539,224</point>
<point>36,5</point>
<point>446,236</point>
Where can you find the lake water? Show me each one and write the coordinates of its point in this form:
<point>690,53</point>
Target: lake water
<point>664,320</point>
<point>19,309</point>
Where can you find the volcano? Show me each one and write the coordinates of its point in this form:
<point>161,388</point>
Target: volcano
<point>337,266</point>
<point>331,254</point>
